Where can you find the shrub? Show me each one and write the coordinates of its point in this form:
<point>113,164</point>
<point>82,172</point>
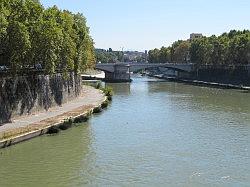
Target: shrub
<point>98,85</point>
<point>66,124</point>
<point>105,104</point>
<point>53,130</point>
<point>97,110</point>
<point>81,119</point>
<point>108,91</point>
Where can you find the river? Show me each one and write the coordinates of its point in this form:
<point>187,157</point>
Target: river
<point>155,133</point>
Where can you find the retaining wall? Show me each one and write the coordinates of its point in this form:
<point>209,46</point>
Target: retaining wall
<point>24,95</point>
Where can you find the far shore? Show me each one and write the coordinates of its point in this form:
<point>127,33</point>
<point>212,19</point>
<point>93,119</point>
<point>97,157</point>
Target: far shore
<point>200,83</point>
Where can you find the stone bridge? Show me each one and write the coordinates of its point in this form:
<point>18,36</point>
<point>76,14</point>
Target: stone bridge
<point>121,71</point>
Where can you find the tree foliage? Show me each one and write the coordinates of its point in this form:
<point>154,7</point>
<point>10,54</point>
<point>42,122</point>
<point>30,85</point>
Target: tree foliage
<point>30,34</point>
<point>109,56</point>
<point>231,48</point>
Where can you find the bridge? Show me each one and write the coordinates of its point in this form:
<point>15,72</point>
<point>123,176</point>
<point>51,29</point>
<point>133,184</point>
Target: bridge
<point>121,71</point>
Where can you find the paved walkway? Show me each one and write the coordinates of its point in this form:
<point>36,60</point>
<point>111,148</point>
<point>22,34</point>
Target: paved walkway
<point>98,76</point>
<point>90,96</point>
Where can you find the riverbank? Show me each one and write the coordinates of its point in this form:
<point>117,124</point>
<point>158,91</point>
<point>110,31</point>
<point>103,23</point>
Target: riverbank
<point>201,83</point>
<point>24,128</point>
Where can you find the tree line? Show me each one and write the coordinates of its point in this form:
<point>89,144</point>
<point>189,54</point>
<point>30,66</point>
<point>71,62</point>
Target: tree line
<point>108,56</point>
<point>231,48</point>
<point>55,39</point>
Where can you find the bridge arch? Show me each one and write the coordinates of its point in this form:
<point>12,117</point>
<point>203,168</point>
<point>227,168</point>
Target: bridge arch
<point>177,67</point>
<point>121,71</point>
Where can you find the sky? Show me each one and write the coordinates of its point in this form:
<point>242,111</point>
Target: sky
<point>146,24</point>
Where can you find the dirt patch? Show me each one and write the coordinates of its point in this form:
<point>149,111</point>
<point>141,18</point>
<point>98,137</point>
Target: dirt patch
<point>84,110</point>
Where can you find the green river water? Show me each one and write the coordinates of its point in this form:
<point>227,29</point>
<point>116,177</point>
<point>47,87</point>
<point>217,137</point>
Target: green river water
<point>155,133</point>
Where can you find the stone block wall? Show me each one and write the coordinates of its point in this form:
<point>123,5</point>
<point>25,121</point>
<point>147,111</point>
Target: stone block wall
<point>24,95</point>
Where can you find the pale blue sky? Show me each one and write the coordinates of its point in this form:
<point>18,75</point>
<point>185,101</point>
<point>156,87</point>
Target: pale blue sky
<point>146,24</point>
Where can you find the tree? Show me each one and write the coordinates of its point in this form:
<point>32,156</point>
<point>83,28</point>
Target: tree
<point>231,48</point>
<point>181,51</point>
<point>85,56</point>
<point>68,48</point>
<point>18,45</point>
<point>153,56</point>
<point>4,12</point>
<point>31,34</point>
<point>164,55</point>
<point>200,51</point>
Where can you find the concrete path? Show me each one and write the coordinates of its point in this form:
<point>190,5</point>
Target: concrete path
<point>90,96</point>
<point>98,75</point>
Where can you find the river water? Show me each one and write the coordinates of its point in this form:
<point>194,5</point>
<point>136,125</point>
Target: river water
<point>155,133</point>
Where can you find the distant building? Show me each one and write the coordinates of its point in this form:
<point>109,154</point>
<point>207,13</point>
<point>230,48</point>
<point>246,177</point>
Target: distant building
<point>195,36</point>
<point>100,50</point>
<point>135,56</point>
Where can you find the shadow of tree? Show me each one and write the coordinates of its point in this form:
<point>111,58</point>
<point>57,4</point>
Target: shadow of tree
<point>27,94</point>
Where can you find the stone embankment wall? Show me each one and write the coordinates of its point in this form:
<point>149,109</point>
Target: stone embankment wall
<point>24,95</point>
<point>238,76</point>
<point>235,75</point>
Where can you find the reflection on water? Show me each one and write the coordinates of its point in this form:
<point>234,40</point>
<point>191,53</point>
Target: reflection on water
<point>120,88</point>
<point>155,133</point>
<point>223,99</point>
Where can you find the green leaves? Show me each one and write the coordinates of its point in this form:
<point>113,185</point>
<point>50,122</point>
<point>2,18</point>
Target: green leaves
<point>231,48</point>
<point>108,56</point>
<point>18,44</point>
<point>154,56</point>
<point>180,52</point>
<point>177,53</point>
<point>30,35</point>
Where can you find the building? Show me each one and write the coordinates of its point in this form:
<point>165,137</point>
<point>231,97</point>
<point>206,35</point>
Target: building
<point>195,36</point>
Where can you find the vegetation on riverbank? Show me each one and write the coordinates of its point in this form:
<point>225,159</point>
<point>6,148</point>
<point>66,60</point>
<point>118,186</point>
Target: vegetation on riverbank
<point>231,48</point>
<point>110,56</point>
<point>108,91</point>
<point>50,39</point>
